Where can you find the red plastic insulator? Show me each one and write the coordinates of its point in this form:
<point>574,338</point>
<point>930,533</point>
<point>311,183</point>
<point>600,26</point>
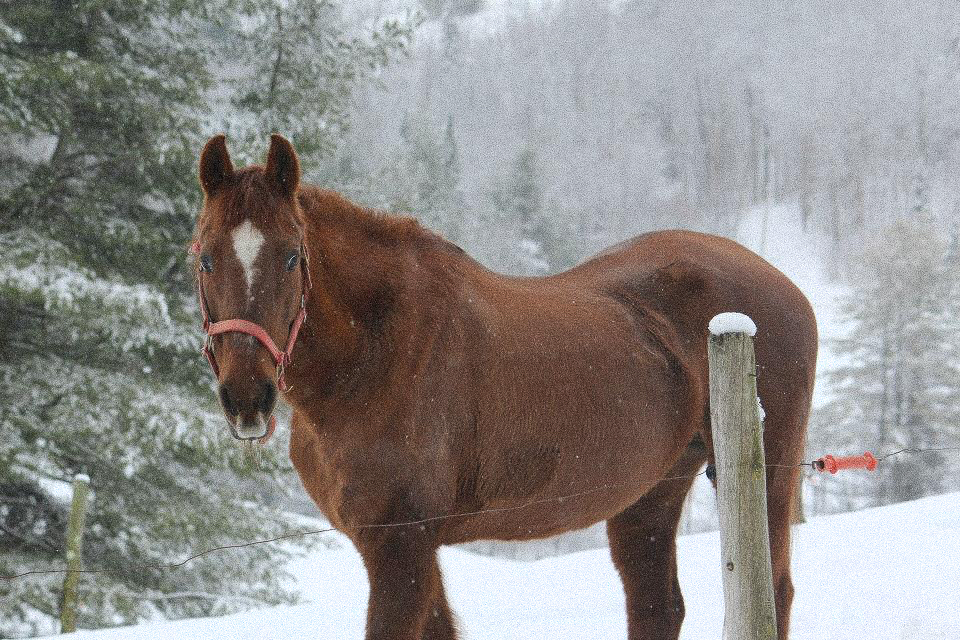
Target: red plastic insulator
<point>834,464</point>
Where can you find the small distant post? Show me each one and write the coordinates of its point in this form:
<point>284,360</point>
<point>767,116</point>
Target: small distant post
<point>78,515</point>
<point>749,605</point>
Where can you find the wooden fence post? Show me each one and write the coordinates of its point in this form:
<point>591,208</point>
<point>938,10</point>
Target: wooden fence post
<point>78,515</point>
<point>741,481</point>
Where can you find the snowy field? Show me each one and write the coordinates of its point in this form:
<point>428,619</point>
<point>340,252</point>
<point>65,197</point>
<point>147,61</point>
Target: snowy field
<point>891,573</point>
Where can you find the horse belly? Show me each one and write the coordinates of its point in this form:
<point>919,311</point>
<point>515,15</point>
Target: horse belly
<point>565,453</point>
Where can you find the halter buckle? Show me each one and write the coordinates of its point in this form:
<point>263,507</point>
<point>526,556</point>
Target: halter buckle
<point>281,371</point>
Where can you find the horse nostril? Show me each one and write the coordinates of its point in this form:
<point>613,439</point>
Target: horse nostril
<point>267,398</point>
<point>227,401</point>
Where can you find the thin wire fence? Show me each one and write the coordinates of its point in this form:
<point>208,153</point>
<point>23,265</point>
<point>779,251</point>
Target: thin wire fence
<point>813,464</point>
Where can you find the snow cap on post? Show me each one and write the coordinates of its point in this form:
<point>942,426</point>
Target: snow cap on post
<point>732,323</point>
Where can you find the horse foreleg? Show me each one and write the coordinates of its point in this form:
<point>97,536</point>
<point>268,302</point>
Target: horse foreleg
<point>440,622</point>
<point>643,548</point>
<point>404,582</point>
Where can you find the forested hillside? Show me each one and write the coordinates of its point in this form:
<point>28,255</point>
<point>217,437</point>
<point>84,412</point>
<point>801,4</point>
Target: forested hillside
<point>627,116</point>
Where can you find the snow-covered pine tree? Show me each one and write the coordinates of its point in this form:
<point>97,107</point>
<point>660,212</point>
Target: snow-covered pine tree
<point>102,106</point>
<point>434,9</point>
<point>543,243</point>
<point>293,65</point>
<point>99,371</point>
<point>423,177</point>
<point>899,384</point>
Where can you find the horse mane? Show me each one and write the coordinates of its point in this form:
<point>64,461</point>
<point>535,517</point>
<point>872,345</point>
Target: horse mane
<point>325,207</point>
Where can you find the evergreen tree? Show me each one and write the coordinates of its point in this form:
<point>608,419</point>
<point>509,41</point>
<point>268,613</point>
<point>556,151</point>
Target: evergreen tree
<point>899,386</point>
<point>450,8</point>
<point>100,124</point>
<point>424,178</point>
<point>543,246</point>
<point>301,64</point>
<point>98,348</point>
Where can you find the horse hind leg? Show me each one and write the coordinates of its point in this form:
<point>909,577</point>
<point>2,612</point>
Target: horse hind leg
<point>783,449</point>
<point>644,550</point>
<point>781,485</point>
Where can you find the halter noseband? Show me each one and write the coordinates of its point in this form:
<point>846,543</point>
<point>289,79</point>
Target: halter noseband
<point>280,358</point>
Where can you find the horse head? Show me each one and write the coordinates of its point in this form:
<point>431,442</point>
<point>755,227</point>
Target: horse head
<point>252,278</point>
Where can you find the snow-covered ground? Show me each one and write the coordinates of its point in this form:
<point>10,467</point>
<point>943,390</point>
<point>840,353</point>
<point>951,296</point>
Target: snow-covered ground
<point>887,574</point>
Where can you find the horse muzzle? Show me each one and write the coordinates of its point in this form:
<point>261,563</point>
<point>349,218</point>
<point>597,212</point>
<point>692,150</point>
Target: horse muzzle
<point>249,412</point>
<point>256,430</point>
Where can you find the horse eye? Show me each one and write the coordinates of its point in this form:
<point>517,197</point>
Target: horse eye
<point>293,260</point>
<point>206,263</point>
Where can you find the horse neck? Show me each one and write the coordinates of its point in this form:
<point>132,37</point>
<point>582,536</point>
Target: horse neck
<point>360,269</point>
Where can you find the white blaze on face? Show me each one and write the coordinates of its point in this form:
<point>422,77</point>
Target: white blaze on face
<point>247,241</point>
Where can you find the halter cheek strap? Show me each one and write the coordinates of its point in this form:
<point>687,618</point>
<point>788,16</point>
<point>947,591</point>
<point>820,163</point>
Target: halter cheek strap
<point>236,325</point>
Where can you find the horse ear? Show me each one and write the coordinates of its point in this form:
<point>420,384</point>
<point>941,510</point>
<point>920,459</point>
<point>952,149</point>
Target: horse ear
<point>283,165</point>
<point>215,165</point>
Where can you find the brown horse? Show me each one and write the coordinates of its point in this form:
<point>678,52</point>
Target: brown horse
<point>428,389</point>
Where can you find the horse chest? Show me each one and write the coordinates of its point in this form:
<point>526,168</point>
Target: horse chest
<point>357,478</point>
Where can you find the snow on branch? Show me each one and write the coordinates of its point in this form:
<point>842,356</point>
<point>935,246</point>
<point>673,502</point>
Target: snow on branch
<point>132,314</point>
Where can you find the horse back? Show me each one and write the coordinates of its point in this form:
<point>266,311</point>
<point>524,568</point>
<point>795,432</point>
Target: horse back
<point>689,277</point>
